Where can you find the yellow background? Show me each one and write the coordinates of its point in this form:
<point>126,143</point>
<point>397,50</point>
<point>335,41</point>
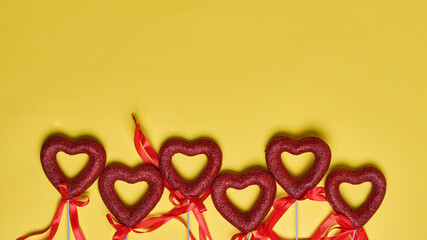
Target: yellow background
<point>352,72</point>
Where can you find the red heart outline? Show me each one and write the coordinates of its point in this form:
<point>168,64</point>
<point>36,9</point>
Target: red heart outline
<point>322,158</point>
<point>130,216</point>
<point>244,221</point>
<point>204,181</point>
<point>362,215</point>
<point>79,184</point>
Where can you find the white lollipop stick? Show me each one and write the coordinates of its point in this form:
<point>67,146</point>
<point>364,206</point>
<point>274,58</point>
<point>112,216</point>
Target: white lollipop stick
<point>68,219</point>
<point>188,222</point>
<point>296,220</point>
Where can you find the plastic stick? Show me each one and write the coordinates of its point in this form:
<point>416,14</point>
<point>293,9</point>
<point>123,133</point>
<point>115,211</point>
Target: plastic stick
<point>296,220</point>
<point>188,222</point>
<point>68,219</point>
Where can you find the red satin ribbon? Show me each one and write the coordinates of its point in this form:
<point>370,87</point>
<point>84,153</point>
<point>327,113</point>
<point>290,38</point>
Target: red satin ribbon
<point>143,147</point>
<point>194,204</point>
<point>260,235</point>
<point>280,206</point>
<point>149,224</point>
<point>345,227</point>
<point>241,236</point>
<point>74,219</point>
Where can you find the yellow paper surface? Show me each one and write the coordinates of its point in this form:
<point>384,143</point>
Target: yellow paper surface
<point>239,72</point>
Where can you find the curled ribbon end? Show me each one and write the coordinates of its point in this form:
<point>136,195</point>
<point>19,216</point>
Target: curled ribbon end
<point>134,119</point>
<point>73,204</point>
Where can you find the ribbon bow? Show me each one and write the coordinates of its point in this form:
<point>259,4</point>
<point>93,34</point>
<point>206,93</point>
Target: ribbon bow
<point>260,235</point>
<point>150,224</point>
<point>122,230</point>
<point>344,225</point>
<point>241,236</point>
<point>263,235</point>
<point>281,205</point>
<point>194,204</point>
<point>176,196</point>
<point>73,203</point>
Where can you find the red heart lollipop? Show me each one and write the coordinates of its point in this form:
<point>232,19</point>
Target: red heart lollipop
<point>244,221</point>
<point>204,181</point>
<point>298,188</point>
<point>362,215</point>
<point>130,216</point>
<point>85,179</point>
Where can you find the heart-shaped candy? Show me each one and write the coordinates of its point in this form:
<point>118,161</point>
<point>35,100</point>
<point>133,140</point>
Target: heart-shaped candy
<point>204,181</point>
<point>244,221</point>
<point>322,158</point>
<point>90,173</point>
<point>362,215</point>
<point>130,216</point>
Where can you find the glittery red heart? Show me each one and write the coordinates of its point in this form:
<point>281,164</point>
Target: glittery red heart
<point>362,215</point>
<point>322,158</point>
<point>90,173</point>
<point>244,221</point>
<point>204,181</point>
<point>130,216</point>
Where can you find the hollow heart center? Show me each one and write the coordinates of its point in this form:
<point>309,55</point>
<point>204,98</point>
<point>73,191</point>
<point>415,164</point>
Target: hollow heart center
<point>130,194</point>
<point>244,199</point>
<point>297,165</point>
<point>189,167</point>
<point>72,165</point>
<point>355,195</point>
